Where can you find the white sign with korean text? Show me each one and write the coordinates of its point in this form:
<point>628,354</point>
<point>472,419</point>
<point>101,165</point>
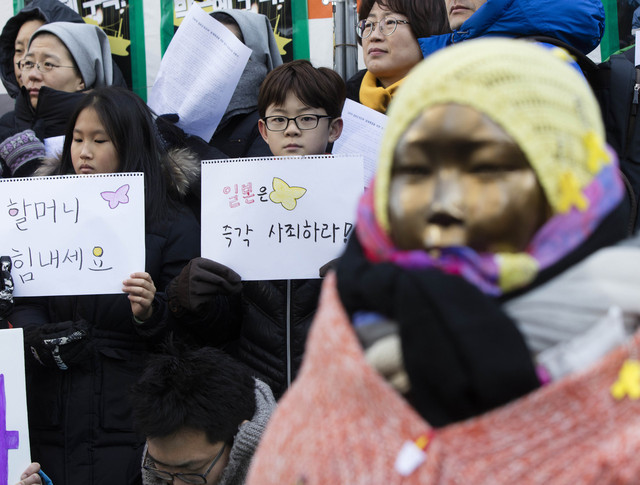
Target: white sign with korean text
<point>280,217</point>
<point>72,234</point>
<point>14,428</point>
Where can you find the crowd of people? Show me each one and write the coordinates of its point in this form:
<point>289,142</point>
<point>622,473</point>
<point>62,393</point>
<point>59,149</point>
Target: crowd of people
<point>479,327</point>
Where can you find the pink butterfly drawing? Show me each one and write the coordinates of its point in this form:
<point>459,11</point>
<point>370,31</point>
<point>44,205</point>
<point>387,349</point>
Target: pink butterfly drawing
<point>118,197</point>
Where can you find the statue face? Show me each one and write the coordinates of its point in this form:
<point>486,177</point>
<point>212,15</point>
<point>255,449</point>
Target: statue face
<point>458,179</point>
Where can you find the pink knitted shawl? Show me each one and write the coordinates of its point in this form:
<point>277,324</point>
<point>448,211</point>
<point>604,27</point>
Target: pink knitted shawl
<point>340,423</point>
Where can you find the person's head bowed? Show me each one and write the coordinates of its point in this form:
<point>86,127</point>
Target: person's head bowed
<point>68,57</point>
<point>496,147</point>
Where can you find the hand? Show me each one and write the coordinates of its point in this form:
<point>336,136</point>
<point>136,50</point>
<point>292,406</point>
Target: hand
<point>171,135</point>
<point>325,268</point>
<point>385,356</point>
<point>21,148</point>
<point>58,344</point>
<point>30,475</point>
<point>198,282</point>
<point>141,292</point>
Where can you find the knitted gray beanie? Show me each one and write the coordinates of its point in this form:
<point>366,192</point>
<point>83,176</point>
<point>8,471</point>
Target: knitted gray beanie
<point>89,47</point>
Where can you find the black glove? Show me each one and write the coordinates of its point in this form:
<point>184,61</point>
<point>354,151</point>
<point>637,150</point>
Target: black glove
<point>198,282</point>
<point>58,344</point>
<point>6,287</point>
<point>326,267</point>
<point>171,135</point>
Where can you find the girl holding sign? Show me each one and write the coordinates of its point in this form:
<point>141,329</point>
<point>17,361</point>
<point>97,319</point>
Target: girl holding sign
<point>83,352</point>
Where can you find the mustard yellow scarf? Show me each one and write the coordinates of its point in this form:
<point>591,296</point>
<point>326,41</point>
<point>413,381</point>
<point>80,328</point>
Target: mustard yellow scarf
<point>374,96</point>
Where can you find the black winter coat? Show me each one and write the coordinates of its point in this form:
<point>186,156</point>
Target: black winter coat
<point>276,316</point>
<point>47,120</point>
<point>80,419</point>
<point>353,85</point>
<point>240,137</point>
<point>265,326</point>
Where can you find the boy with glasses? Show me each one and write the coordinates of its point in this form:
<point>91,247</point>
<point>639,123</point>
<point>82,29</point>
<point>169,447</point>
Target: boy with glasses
<point>300,108</point>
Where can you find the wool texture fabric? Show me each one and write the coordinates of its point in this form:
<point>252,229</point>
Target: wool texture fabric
<point>89,47</point>
<point>20,149</point>
<point>537,96</point>
<point>374,96</point>
<point>341,423</point>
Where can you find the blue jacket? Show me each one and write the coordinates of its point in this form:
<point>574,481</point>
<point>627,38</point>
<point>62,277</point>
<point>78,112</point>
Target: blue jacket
<point>579,23</point>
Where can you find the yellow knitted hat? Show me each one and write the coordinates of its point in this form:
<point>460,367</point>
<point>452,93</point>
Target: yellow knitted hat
<point>535,93</point>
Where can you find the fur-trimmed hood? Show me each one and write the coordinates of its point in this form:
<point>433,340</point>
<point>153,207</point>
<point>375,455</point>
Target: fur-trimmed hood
<point>180,166</point>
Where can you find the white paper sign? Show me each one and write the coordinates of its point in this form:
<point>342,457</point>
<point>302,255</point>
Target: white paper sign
<point>199,73</point>
<point>281,217</point>
<point>72,234</point>
<point>361,135</point>
<point>14,428</point>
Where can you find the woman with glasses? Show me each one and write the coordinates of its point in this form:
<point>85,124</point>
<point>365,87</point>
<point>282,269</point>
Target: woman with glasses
<point>17,32</point>
<point>389,31</point>
<point>63,59</point>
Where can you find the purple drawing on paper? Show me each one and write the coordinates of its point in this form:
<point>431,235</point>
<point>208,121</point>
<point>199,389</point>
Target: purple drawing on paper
<point>118,197</point>
<point>9,440</point>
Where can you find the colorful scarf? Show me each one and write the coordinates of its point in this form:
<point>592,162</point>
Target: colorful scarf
<point>555,121</point>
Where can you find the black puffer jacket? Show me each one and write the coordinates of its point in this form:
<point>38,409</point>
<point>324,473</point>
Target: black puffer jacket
<point>240,138</point>
<point>48,119</point>
<point>265,326</point>
<point>276,316</point>
<point>80,418</point>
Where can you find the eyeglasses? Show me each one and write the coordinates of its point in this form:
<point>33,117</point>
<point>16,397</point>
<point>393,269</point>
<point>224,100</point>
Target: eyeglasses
<point>303,122</point>
<point>46,66</point>
<point>196,478</point>
<point>387,26</point>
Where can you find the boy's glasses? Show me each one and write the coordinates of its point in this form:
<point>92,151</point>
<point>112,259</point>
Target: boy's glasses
<point>387,26</point>
<point>44,67</point>
<point>168,477</point>
<point>303,122</point>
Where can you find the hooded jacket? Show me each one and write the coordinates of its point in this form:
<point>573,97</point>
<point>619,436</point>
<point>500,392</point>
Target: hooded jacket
<point>80,419</point>
<point>45,10</point>
<point>89,48</point>
<point>237,134</point>
<point>579,23</point>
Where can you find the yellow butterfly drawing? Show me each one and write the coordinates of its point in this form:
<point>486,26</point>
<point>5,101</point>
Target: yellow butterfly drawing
<point>285,195</point>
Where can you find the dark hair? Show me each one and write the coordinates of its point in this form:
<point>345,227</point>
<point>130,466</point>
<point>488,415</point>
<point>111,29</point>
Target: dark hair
<point>316,87</point>
<point>202,389</point>
<point>426,17</point>
<point>129,123</point>
<point>226,19</point>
